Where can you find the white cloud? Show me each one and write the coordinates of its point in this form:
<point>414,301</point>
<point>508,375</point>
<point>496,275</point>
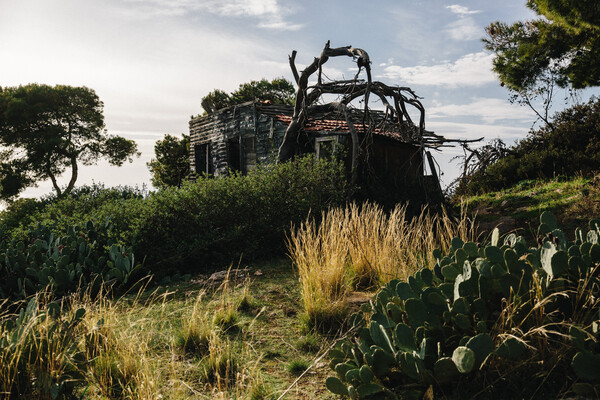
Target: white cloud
<point>457,130</point>
<point>464,29</point>
<point>280,25</point>
<point>474,69</point>
<point>489,110</point>
<point>390,61</point>
<point>271,13</point>
<point>461,10</point>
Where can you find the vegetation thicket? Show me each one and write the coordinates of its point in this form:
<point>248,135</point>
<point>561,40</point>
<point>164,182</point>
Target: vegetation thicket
<point>569,146</point>
<point>498,319</point>
<point>209,223</point>
<point>561,47</point>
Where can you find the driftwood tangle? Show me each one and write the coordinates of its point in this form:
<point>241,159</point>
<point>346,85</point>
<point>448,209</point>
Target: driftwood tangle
<point>361,124</point>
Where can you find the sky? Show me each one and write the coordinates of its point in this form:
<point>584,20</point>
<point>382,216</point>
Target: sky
<point>152,61</point>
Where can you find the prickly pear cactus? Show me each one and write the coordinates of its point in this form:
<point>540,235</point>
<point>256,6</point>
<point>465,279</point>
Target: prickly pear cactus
<point>437,326</point>
<point>81,258</point>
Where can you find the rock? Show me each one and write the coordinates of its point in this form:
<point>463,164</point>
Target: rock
<point>355,299</point>
<point>233,275</point>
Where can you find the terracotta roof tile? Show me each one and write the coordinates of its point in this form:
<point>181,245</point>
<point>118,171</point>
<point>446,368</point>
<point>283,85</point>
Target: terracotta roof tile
<point>330,125</point>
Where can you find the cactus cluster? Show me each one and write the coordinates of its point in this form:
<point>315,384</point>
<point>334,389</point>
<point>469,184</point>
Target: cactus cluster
<point>440,325</point>
<point>78,259</point>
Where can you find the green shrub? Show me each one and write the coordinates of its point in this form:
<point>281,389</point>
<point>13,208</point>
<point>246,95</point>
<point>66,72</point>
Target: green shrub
<point>569,146</point>
<point>214,222</point>
<point>18,215</point>
<point>211,222</point>
<point>499,311</point>
<point>93,202</point>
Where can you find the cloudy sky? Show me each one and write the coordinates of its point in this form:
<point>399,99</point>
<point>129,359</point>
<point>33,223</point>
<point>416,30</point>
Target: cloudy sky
<point>151,61</point>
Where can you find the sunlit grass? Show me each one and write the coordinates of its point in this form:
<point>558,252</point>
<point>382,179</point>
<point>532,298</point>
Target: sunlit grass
<point>361,247</point>
<point>147,346</point>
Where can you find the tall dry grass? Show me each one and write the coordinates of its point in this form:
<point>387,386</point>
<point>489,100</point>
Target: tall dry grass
<point>38,349</point>
<point>125,348</point>
<point>362,246</point>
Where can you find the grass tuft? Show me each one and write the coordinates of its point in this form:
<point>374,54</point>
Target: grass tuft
<point>297,366</point>
<point>309,343</point>
<point>221,365</point>
<point>361,247</point>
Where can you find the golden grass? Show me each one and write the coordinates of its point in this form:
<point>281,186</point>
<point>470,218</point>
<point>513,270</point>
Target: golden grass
<point>360,247</point>
<point>130,350</point>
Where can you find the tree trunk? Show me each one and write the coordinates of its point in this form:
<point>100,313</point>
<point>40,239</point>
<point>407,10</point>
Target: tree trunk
<point>54,183</point>
<point>74,173</point>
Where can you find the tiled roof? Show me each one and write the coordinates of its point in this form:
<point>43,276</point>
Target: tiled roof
<point>333,126</point>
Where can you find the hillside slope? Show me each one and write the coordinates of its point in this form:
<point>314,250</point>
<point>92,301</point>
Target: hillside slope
<point>573,200</point>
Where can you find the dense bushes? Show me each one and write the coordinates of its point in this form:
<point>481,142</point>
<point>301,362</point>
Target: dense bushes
<point>570,145</point>
<point>492,320</point>
<point>216,221</point>
<point>94,202</point>
<point>207,223</point>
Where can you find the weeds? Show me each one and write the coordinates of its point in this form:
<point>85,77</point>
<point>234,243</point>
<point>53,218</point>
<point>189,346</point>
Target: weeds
<point>138,347</point>
<point>193,338</point>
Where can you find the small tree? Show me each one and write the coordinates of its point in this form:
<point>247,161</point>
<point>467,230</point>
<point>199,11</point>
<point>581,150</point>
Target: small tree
<point>46,130</point>
<point>172,163</point>
<point>278,91</point>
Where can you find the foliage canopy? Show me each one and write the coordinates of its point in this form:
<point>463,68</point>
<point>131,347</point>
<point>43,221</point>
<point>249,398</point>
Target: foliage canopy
<point>564,41</point>
<point>44,130</point>
<point>172,163</point>
<point>278,91</point>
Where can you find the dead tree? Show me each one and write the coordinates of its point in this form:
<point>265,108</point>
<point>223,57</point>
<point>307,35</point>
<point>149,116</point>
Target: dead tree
<point>475,161</point>
<point>395,99</point>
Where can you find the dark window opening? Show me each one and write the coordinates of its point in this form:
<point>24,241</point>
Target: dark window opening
<point>249,153</point>
<point>233,155</point>
<point>327,148</point>
<point>203,159</point>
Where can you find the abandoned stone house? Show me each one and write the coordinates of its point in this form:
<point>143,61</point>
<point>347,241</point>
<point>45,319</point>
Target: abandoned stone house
<point>240,137</point>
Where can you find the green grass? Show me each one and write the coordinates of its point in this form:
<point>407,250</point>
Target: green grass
<point>572,200</point>
<point>259,337</point>
<point>189,341</point>
<point>297,366</point>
